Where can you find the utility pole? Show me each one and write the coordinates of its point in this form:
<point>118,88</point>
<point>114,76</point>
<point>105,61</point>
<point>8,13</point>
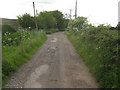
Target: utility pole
<point>76,9</point>
<point>70,13</point>
<point>35,16</point>
<point>36,12</point>
<point>119,12</point>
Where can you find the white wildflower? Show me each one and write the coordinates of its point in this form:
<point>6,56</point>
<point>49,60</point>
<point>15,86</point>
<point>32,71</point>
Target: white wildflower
<point>9,39</point>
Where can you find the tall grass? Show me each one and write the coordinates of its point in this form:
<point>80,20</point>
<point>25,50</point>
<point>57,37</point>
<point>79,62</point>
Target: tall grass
<point>100,49</point>
<point>100,53</point>
<point>15,55</point>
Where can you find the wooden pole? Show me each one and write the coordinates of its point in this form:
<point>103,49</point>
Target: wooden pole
<point>35,16</point>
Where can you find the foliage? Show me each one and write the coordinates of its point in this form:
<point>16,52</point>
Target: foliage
<point>15,38</point>
<point>15,55</point>
<point>46,21</point>
<point>78,24</point>
<point>26,21</point>
<point>60,20</point>
<point>8,28</point>
<point>51,19</point>
<point>99,47</point>
<point>50,31</point>
<point>66,21</point>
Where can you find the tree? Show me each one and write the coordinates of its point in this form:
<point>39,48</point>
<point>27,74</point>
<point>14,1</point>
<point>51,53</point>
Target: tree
<point>26,21</point>
<point>60,20</point>
<point>46,21</point>
<point>78,24</point>
<point>66,21</point>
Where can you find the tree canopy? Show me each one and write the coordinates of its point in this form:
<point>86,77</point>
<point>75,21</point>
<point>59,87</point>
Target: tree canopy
<point>45,20</point>
<point>26,21</point>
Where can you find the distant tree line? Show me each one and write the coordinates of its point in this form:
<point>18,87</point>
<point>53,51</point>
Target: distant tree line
<point>45,20</point>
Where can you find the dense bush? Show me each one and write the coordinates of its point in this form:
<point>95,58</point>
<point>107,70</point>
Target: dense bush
<point>100,49</point>
<point>7,28</point>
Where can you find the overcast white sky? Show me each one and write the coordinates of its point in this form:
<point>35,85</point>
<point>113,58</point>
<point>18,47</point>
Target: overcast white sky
<point>97,11</point>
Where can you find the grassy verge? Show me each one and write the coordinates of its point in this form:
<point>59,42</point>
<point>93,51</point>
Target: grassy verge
<point>15,55</point>
<point>99,50</point>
